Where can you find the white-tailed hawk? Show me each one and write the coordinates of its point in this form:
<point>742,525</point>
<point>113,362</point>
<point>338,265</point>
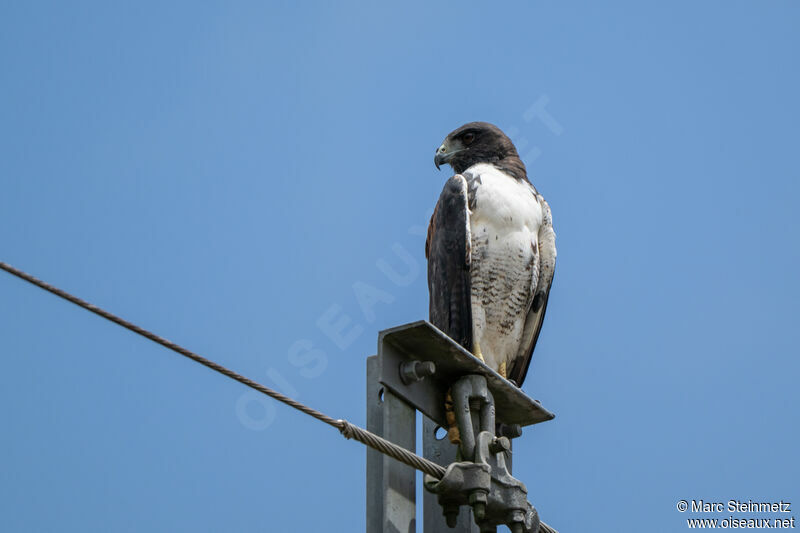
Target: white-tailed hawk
<point>491,251</point>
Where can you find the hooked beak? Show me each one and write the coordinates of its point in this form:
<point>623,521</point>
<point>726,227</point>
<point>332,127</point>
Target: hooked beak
<point>443,156</point>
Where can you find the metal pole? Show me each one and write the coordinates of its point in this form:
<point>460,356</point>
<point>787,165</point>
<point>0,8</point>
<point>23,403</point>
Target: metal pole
<point>391,485</point>
<point>374,457</point>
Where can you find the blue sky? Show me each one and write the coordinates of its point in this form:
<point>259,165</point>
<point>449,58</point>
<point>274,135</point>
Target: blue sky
<point>225,174</point>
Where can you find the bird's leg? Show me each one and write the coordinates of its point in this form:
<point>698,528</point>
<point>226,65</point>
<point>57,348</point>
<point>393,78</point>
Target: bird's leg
<point>476,350</point>
<point>453,434</point>
<point>502,370</point>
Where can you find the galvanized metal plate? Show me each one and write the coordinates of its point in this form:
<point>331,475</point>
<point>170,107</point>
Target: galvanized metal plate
<point>421,341</point>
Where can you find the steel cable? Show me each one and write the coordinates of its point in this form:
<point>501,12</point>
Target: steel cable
<point>348,430</point>
<point>392,450</point>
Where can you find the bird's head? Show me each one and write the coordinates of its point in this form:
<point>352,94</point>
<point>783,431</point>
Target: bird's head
<point>476,142</point>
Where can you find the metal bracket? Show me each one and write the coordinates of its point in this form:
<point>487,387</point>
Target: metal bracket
<point>496,497</point>
<point>473,406</point>
<point>422,342</point>
<point>416,367</point>
<point>482,480</point>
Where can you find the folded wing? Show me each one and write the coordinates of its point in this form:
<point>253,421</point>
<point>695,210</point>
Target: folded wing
<point>448,251</point>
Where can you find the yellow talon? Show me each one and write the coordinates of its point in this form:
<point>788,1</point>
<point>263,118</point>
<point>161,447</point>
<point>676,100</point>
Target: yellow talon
<point>476,350</point>
<point>452,426</point>
<point>502,370</point>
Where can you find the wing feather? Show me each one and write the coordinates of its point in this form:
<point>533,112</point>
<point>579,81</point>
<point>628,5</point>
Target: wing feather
<point>448,251</point>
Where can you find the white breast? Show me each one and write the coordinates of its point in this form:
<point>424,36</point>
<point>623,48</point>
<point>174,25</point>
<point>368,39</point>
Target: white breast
<point>504,221</point>
<point>505,202</point>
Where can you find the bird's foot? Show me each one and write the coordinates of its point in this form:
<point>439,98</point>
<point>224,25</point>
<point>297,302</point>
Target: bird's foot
<point>453,434</point>
<point>502,370</point>
<point>476,351</point>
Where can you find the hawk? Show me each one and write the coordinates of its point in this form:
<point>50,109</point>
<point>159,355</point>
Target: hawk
<point>491,251</point>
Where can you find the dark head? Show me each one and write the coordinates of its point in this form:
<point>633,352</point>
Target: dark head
<point>479,142</point>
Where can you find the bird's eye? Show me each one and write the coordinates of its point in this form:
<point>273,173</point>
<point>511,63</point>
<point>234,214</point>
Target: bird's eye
<point>468,138</point>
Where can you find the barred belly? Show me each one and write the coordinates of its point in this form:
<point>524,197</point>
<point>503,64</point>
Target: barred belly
<point>504,261</point>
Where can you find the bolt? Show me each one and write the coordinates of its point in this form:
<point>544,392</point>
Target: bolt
<point>512,431</point>
<point>516,521</point>
<point>478,499</point>
<point>451,515</point>
<point>479,510</point>
<point>412,371</point>
<point>500,444</point>
<point>426,368</point>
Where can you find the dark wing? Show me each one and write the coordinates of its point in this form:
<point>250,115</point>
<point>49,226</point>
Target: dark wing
<point>448,251</point>
<point>546,257</point>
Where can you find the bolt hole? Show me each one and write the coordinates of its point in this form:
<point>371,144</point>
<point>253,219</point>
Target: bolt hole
<point>439,433</point>
<point>380,395</point>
